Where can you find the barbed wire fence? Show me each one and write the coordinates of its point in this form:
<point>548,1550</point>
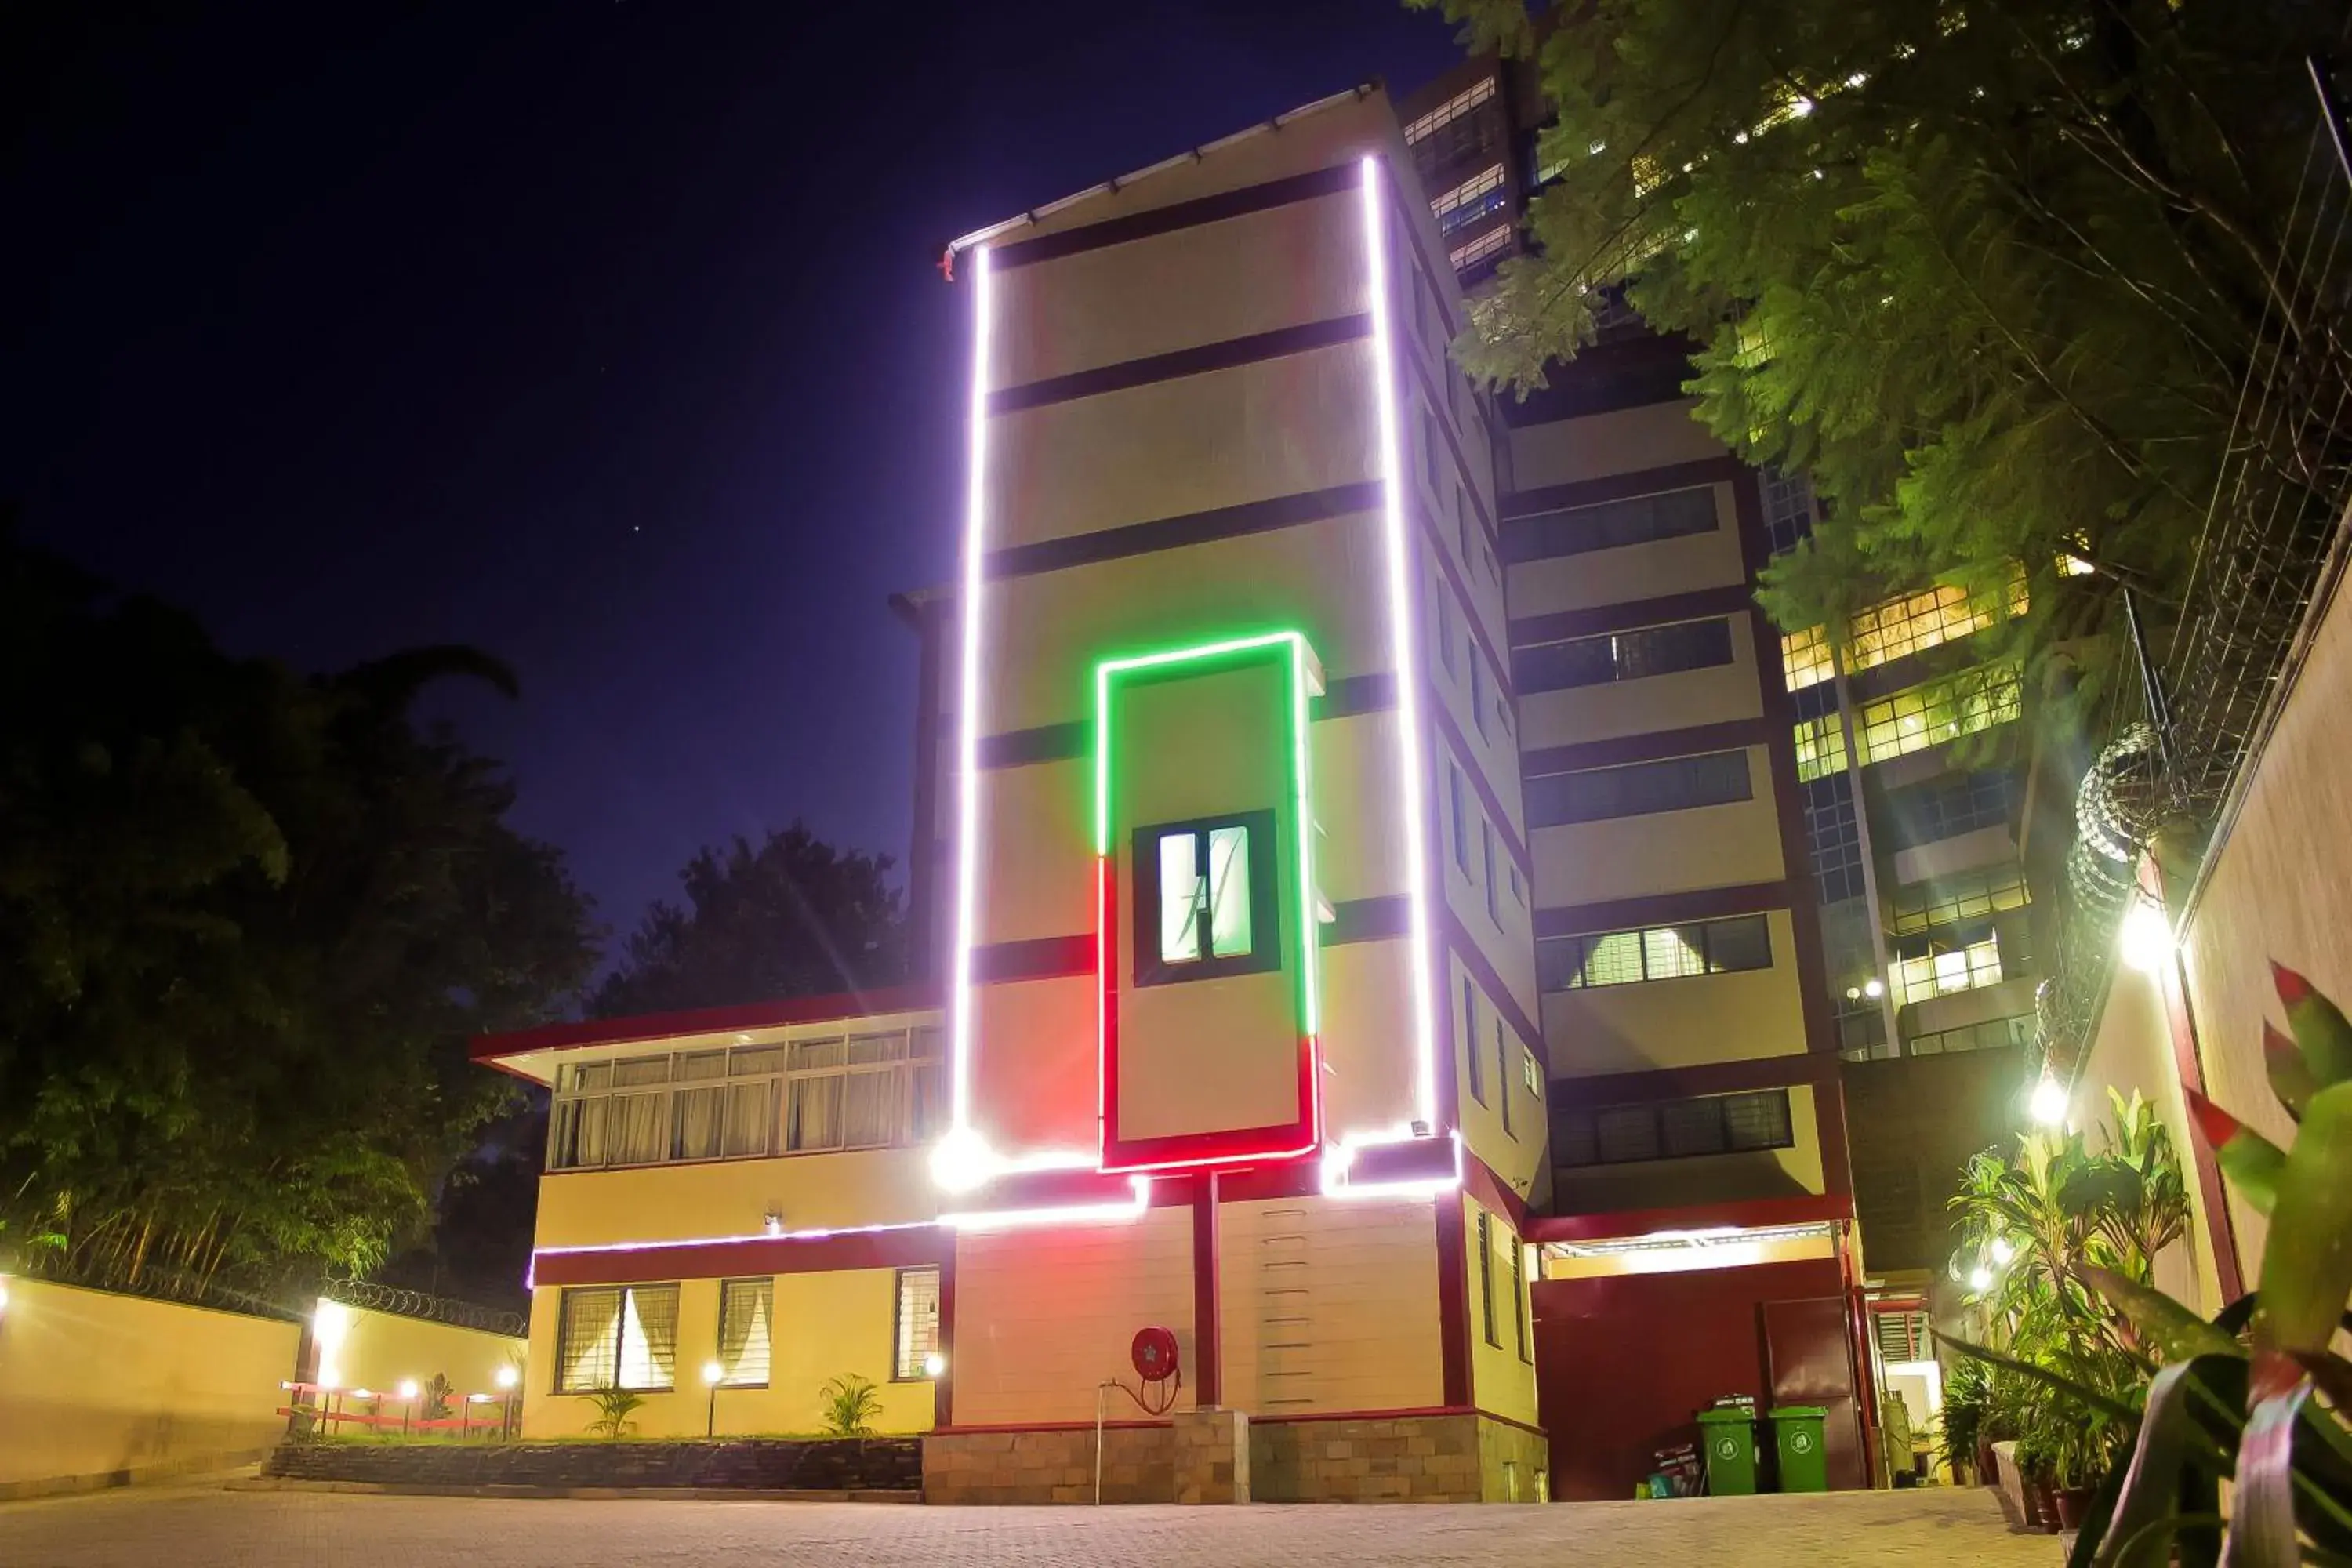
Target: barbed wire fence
<point>2180,737</point>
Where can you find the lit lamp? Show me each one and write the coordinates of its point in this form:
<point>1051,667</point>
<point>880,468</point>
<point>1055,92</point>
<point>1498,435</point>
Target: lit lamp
<point>1874,988</point>
<point>2048,1104</point>
<point>507,1379</point>
<point>934,1364</point>
<point>1979,1278</point>
<point>2147,936</point>
<point>711,1373</point>
<point>408,1403</point>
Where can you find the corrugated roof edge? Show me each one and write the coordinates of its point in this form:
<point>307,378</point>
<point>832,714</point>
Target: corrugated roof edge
<point>1020,220</point>
<point>704,1021</point>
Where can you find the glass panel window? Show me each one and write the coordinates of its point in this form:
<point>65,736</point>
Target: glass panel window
<point>1473,199</point>
<point>1486,1278</point>
<point>1229,897</point>
<point>1471,1052</point>
<point>746,1331</point>
<point>1180,899</point>
<point>1669,952</point>
<point>1658,952</point>
<point>916,1332</point>
<point>1679,783</point>
<point>619,1336</point>
<point>1673,1129</point>
<point>1637,519</point>
<point>1908,624</point>
<point>1624,655</point>
<point>1913,720</point>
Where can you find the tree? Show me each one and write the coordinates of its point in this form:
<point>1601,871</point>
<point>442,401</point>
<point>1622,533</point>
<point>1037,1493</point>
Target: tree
<point>248,922</point>
<point>1992,273</point>
<point>794,917</point>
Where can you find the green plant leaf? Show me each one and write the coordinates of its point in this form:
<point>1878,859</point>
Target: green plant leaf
<point>2251,1162</point>
<point>2162,1321</point>
<point>2307,1259</point>
<point>2082,1394</point>
<point>2261,1514</point>
<point>2289,1072</point>
<point>2320,1027</point>
<point>2149,1494</point>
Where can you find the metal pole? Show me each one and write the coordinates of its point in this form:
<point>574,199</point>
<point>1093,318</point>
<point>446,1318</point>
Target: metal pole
<point>710,1421</point>
<point>1878,956</point>
<point>1100,1390</point>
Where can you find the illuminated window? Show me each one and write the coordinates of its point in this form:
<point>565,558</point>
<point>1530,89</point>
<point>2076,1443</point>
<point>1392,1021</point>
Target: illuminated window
<point>1788,509</point>
<point>1622,656</point>
<point>747,1317</point>
<point>1206,898</point>
<point>1659,952</point>
<point>1636,519</point>
<point>1902,627</point>
<point>873,1089</point>
<point>1945,971</point>
<point>1451,110</point>
<point>916,1334</point>
<point>1964,896</point>
<point>1486,245</point>
<point>1532,1072</point>
<point>617,1336</point>
<point>1671,1130</point>
<point>1473,199</point>
<point>1993,1034</point>
<point>1680,783</point>
<point>1913,720</point>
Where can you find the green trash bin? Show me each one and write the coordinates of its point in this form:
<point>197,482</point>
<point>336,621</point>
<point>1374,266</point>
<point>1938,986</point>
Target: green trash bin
<point>1797,1433</point>
<point>1729,1435</point>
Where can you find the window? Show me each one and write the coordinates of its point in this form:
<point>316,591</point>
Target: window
<point>1531,1073</point>
<point>617,1336</point>
<point>1486,245</point>
<point>1473,199</point>
<point>1452,132</point>
<point>1443,597</point>
<point>1681,783</point>
<point>1834,837</point>
<point>915,1334</point>
<point>1461,809</point>
<point>1205,893</point>
<point>1478,694</point>
<point>1453,108</point>
<point>1946,969</point>
<point>1964,896</point>
<point>1991,1034</point>
<point>1622,656</point>
<point>1946,809</point>
<point>1519,1303</point>
<point>1492,883</point>
<point>1912,720</point>
<point>1470,1041</point>
<point>867,1090</point>
<point>1486,1279</point>
<point>1639,519</point>
<point>1909,624</point>
<point>747,1316</point>
<point>1502,1076</point>
<point>1660,953</point>
<point>1518,886</point>
<point>1788,508</point>
<point>1462,529</point>
<point>1671,1130</point>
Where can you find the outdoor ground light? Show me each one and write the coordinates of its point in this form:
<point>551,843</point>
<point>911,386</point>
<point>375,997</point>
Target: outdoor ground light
<point>507,1377</point>
<point>711,1373</point>
<point>2048,1105</point>
<point>2147,936</point>
<point>408,1388</point>
<point>934,1364</point>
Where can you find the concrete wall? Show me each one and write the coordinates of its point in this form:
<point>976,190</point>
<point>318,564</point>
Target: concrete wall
<point>1329,1305</point>
<point>99,1389</point>
<point>1502,1379</point>
<point>365,1349</point>
<point>1664,852</point>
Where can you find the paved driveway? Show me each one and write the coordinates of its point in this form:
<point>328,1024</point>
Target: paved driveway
<point>198,1526</point>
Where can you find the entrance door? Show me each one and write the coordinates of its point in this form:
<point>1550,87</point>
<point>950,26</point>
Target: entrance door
<point>1810,1361</point>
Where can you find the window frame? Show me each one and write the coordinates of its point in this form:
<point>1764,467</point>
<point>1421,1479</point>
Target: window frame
<point>1264,901</point>
<point>1582,944</point>
<point>1474,1047</point>
<point>899,1372</point>
<point>726,1378</point>
<point>1486,1279</point>
<point>568,1302</point>
<point>1568,1121</point>
<point>1552,801</point>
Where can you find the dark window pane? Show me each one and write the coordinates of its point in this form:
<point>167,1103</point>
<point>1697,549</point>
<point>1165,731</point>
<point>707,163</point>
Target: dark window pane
<point>1758,1121</point>
<point>1625,1132</point>
<point>1676,784</point>
<point>1572,1139</point>
<point>1691,1126</point>
<point>1742,943</point>
<point>1634,520</point>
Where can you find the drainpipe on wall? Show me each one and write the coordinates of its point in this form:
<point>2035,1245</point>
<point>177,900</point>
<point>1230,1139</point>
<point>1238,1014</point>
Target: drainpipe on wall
<point>1878,956</point>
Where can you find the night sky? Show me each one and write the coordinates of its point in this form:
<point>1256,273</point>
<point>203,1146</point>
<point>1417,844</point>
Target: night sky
<point>605,336</point>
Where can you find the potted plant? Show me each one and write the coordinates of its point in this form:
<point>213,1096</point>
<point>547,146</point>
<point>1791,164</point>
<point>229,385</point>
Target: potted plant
<point>1967,1447</point>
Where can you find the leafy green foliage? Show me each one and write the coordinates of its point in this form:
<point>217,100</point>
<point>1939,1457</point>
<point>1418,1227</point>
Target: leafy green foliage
<point>793,917</point>
<point>248,921</point>
<point>1992,274</point>
<point>614,1406</point>
<point>851,1404</point>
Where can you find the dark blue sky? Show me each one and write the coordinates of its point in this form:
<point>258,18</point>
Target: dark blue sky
<point>605,336</point>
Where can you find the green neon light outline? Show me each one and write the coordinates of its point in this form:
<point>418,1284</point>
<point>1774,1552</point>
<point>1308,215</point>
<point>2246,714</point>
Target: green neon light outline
<point>1309,996</point>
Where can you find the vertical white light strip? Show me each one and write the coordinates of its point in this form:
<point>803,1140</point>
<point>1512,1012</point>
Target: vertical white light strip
<point>1410,759</point>
<point>975,550</point>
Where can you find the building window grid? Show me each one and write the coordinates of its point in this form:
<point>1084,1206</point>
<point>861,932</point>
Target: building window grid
<point>1638,789</point>
<point>1993,1034</point>
<point>1788,508</point>
<point>1834,837</point>
<point>915,1324</point>
<point>1458,796</point>
<point>1453,108</point>
<point>747,1329</point>
<point>1672,1129</point>
<point>1492,883</point>
<point>870,1090</point>
<point>1471,1044</point>
<point>1609,525</point>
<point>1949,807</point>
<point>1971,895</point>
<point>1486,245</point>
<point>1946,972</point>
<point>1913,720</point>
<point>616,1336</point>
<point>1624,655</point>
<point>1502,1076</point>
<point>1729,946</point>
<point>1473,199</point>
<point>1901,626</point>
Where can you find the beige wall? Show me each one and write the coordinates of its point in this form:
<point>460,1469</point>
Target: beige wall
<point>366,1349</point>
<point>1516,1155</point>
<point>1044,1316</point>
<point>1501,1380</point>
<point>1664,852</point>
<point>733,1197</point>
<point>1329,1305</point>
<point>826,1325</point>
<point>95,1386</point>
<point>1623,442</point>
<point>1682,1023</point>
<point>2132,1054</point>
<point>1683,699</point>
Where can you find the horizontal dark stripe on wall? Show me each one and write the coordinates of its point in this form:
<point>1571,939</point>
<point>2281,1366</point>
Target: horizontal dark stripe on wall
<point>1178,216</point>
<point>1061,742</point>
<point>1697,605</point>
<point>1786,1071</point>
<point>1669,908</point>
<point>1726,470</point>
<point>1198,360</point>
<point>1039,958</point>
<point>1192,527</point>
<point>1654,746</point>
<point>1367,919</point>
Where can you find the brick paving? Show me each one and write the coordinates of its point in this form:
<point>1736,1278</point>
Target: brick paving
<point>201,1526</point>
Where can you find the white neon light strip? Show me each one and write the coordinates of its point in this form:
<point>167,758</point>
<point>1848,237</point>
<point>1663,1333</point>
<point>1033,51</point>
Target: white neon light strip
<point>1066,1213</point>
<point>1410,760</point>
<point>975,549</point>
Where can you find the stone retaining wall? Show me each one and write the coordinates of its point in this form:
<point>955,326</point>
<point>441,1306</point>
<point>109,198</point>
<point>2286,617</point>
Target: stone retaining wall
<point>764,1464</point>
<point>1056,1465</point>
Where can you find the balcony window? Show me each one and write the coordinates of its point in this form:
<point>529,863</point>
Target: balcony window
<point>1658,952</point>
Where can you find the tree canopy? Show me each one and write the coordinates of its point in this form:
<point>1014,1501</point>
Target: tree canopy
<point>1992,272</point>
<point>248,919</point>
<point>790,917</point>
